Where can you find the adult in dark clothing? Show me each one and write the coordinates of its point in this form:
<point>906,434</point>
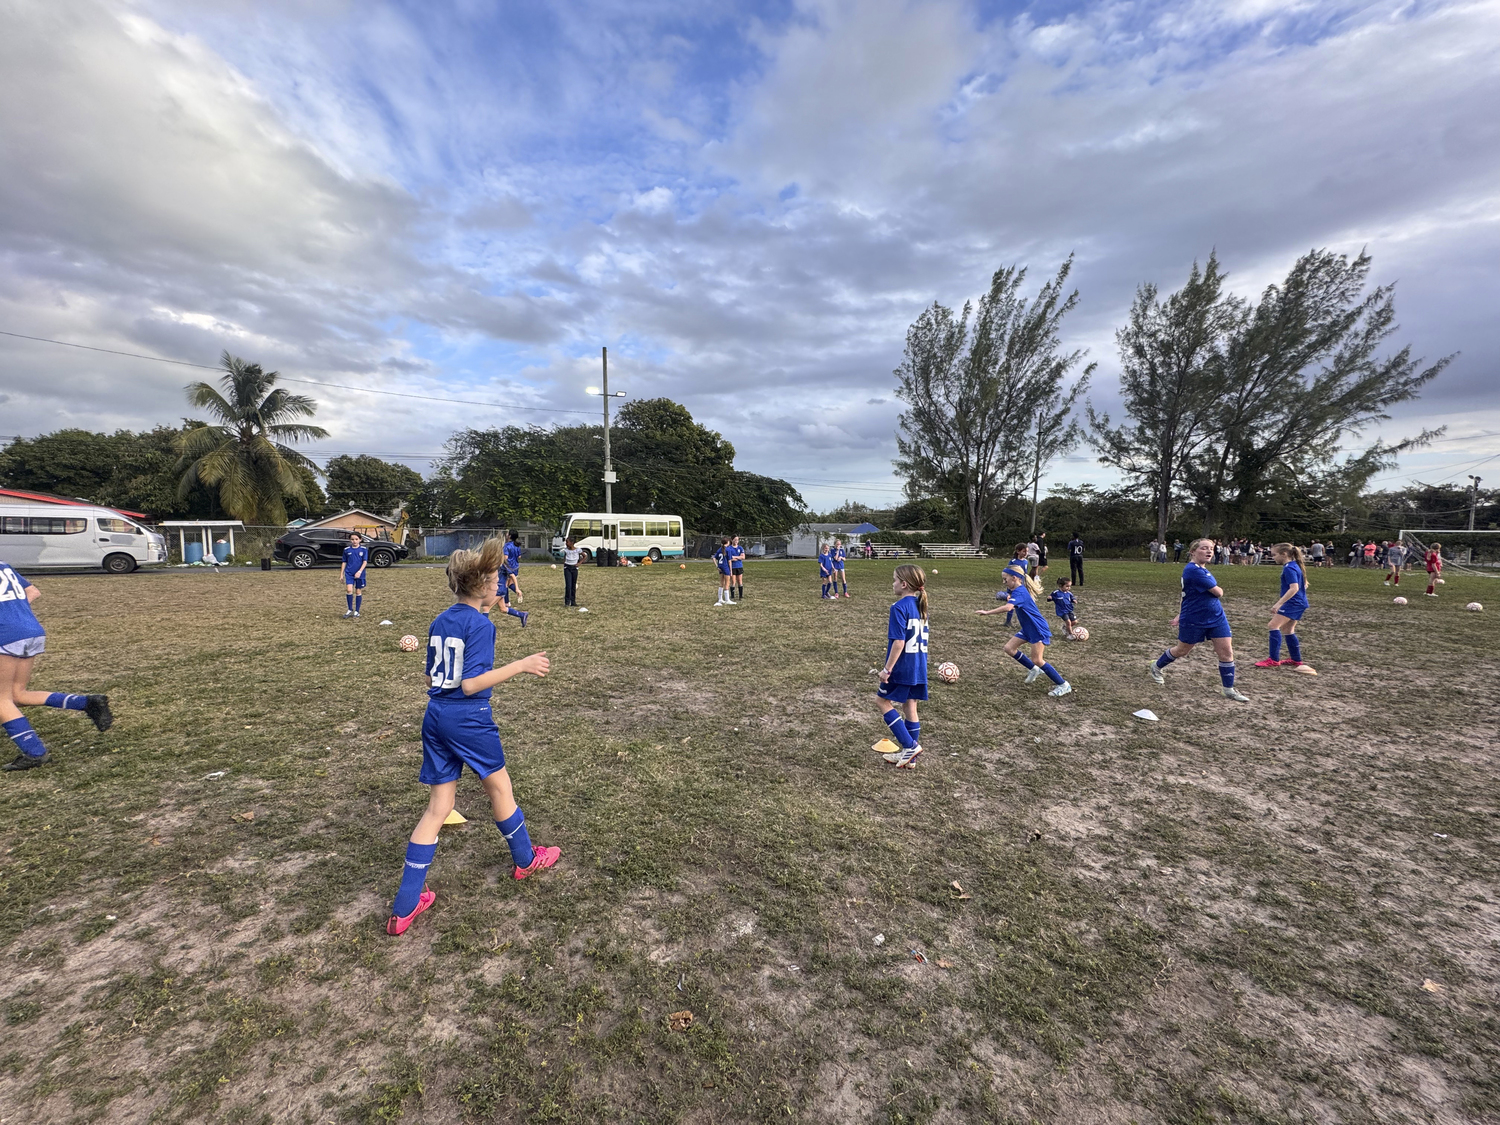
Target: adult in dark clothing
<point>1041,552</point>
<point>1075,559</point>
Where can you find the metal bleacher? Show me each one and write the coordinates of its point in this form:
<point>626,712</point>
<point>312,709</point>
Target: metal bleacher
<point>953,551</point>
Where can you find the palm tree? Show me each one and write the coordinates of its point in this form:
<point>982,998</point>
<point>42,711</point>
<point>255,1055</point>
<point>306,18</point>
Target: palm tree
<point>241,454</point>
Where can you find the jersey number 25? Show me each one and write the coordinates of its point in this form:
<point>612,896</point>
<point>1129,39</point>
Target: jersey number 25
<point>916,635</point>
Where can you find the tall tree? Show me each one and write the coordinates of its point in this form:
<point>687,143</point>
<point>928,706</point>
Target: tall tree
<point>1301,373</point>
<point>1172,364</point>
<point>243,454</point>
<point>370,483</point>
<point>975,391</point>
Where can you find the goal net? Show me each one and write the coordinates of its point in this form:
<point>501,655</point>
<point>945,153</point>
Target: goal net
<point>1468,552</point>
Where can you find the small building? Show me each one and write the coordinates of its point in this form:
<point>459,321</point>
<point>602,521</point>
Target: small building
<point>366,523</point>
<point>204,531</point>
<point>806,537</point>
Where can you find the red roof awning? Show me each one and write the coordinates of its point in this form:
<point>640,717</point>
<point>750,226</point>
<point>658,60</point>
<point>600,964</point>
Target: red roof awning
<point>49,498</point>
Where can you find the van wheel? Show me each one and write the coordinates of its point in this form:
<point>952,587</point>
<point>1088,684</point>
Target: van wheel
<point>655,554</point>
<point>382,559</point>
<point>585,556</point>
<point>303,559</point>
<point>118,564</point>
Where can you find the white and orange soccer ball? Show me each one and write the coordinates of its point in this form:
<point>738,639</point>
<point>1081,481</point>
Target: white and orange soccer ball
<point>948,672</point>
<point>409,643</point>
<point>1440,582</point>
<point>1080,634</point>
<point>1399,601</point>
<point>1474,607</point>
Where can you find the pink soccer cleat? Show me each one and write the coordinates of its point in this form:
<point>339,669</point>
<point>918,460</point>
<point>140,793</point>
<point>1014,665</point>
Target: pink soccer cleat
<point>541,859</point>
<point>398,925</point>
<point>1269,663</point>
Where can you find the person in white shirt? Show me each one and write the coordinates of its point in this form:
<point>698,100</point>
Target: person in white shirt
<point>571,555</point>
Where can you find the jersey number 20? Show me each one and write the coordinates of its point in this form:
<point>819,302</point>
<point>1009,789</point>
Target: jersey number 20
<point>446,663</point>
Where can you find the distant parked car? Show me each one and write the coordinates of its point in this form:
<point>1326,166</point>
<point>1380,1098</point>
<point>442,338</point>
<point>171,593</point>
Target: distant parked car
<point>305,547</point>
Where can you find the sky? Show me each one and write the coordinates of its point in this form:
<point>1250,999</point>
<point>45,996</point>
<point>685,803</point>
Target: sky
<point>747,203</point>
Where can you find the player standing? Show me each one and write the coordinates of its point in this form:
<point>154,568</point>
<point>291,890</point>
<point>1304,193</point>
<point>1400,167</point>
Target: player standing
<point>459,728</point>
<point>736,569</point>
<point>1201,618</point>
<point>1075,558</point>
<point>1395,555</point>
<point>1289,608</point>
<point>723,560</point>
<point>903,680</point>
<point>1034,633</point>
<point>1434,568</point>
<point>22,640</point>
<point>838,556</point>
<point>356,560</point>
<point>571,554</point>
<point>825,568</point>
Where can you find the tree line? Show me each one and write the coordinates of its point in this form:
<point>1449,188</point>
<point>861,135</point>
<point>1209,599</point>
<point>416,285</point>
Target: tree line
<point>1237,411</point>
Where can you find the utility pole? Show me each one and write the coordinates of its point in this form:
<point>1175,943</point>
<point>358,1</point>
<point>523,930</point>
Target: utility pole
<point>1473,499</point>
<point>609,468</point>
<point>1036,479</point>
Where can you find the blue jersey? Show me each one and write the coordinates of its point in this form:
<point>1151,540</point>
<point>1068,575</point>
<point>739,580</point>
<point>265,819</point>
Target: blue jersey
<point>1200,609</point>
<point>1291,573</point>
<point>1063,601</point>
<point>1030,619</point>
<point>512,557</point>
<point>825,568</point>
<point>908,625</point>
<point>354,558</point>
<point>17,622</point>
<point>460,646</point>
<point>722,557</point>
<point>737,557</point>
<point>839,555</point>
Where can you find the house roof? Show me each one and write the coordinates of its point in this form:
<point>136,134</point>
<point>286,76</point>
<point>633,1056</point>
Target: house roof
<point>73,501</point>
<point>386,520</point>
<point>839,528</point>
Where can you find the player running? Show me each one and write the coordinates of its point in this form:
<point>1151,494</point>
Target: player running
<point>1064,605</point>
<point>1289,608</point>
<point>459,728</point>
<point>356,561</point>
<point>903,680</point>
<point>1201,618</point>
<point>1034,633</point>
<point>512,573</point>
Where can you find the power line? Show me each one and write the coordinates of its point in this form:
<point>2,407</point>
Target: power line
<point>294,379</point>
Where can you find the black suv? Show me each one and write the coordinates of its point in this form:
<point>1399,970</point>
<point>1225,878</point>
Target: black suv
<point>306,547</point>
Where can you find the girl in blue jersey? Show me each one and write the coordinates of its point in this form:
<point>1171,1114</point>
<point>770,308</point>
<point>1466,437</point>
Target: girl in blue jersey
<point>1034,635</point>
<point>502,597</point>
<point>903,680</point>
<point>1065,607</point>
<point>1289,608</point>
<point>736,569</point>
<point>513,569</point>
<point>22,640</point>
<point>459,728</point>
<point>724,560</point>
<point>825,569</point>
<point>356,559</point>
<point>1200,619</point>
<point>838,556</point>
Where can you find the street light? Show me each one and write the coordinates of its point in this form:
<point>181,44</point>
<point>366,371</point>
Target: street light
<point>609,469</point>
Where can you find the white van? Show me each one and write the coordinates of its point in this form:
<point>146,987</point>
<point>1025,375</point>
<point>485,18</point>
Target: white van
<point>639,536</point>
<point>36,536</point>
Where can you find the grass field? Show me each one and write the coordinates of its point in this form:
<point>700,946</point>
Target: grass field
<point>1284,911</point>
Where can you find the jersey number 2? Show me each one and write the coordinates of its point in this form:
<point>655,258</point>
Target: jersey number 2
<point>447,661</point>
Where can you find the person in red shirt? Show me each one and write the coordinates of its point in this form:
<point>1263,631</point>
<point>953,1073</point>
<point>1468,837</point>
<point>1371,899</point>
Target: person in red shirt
<point>1434,568</point>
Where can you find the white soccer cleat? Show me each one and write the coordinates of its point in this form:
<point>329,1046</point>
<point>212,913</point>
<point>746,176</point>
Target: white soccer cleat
<point>1156,673</point>
<point>1061,689</point>
<point>1032,674</point>
<point>1231,693</point>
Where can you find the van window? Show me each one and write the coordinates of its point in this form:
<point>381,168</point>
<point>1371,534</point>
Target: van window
<point>13,525</point>
<point>48,525</point>
<point>118,527</point>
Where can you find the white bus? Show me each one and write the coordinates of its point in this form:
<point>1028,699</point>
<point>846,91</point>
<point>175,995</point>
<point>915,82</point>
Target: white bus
<point>639,536</point>
<point>36,535</point>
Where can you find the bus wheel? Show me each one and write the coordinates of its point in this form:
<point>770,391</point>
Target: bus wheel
<point>118,564</point>
<point>655,554</point>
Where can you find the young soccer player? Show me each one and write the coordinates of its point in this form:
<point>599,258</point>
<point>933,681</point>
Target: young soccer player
<point>1395,555</point>
<point>825,569</point>
<point>723,559</point>
<point>513,566</point>
<point>737,569</point>
<point>22,640</point>
<point>571,555</point>
<point>1201,618</point>
<point>1062,603</point>
<point>1034,634</point>
<point>356,560</point>
<point>1434,568</point>
<point>839,555</point>
<point>1017,561</point>
<point>1289,608</point>
<point>502,592</point>
<point>903,680</point>
<point>459,728</point>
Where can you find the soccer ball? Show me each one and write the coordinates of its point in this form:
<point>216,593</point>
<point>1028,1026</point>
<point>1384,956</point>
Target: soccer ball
<point>948,672</point>
<point>682,566</point>
<point>554,566</point>
<point>1440,582</point>
<point>1399,601</point>
<point>409,643</point>
<point>1080,634</point>
<point>1474,607</point>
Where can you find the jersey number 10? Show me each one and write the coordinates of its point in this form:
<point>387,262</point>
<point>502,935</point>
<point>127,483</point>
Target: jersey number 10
<point>446,661</point>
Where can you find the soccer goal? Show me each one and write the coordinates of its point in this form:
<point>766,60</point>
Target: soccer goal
<point>1469,552</point>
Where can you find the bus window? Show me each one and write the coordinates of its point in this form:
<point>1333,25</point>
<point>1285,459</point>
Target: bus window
<point>118,527</point>
<point>676,528</point>
<point>13,525</point>
<point>46,525</point>
<point>631,527</point>
<point>657,527</point>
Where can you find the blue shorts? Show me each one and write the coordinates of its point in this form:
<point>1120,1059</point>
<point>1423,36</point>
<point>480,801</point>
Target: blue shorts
<point>459,735</point>
<point>724,571</point>
<point>1292,611</point>
<point>357,583</point>
<point>1031,634</point>
<point>900,693</point>
<point>1197,634</point>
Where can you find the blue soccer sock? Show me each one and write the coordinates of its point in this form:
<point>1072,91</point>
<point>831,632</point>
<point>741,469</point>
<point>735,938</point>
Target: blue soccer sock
<point>513,611</point>
<point>1226,672</point>
<point>899,732</point>
<point>359,600</point>
<point>914,728</point>
<point>825,589</point>
<point>1008,615</point>
<point>846,587</point>
<point>67,702</point>
<point>1023,660</point>
<point>1275,644</point>
<point>513,828</point>
<point>1294,646</point>
<point>413,878</point>
<point>349,601</point>
<point>1165,658</point>
<point>26,739</point>
<point>1052,674</point>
